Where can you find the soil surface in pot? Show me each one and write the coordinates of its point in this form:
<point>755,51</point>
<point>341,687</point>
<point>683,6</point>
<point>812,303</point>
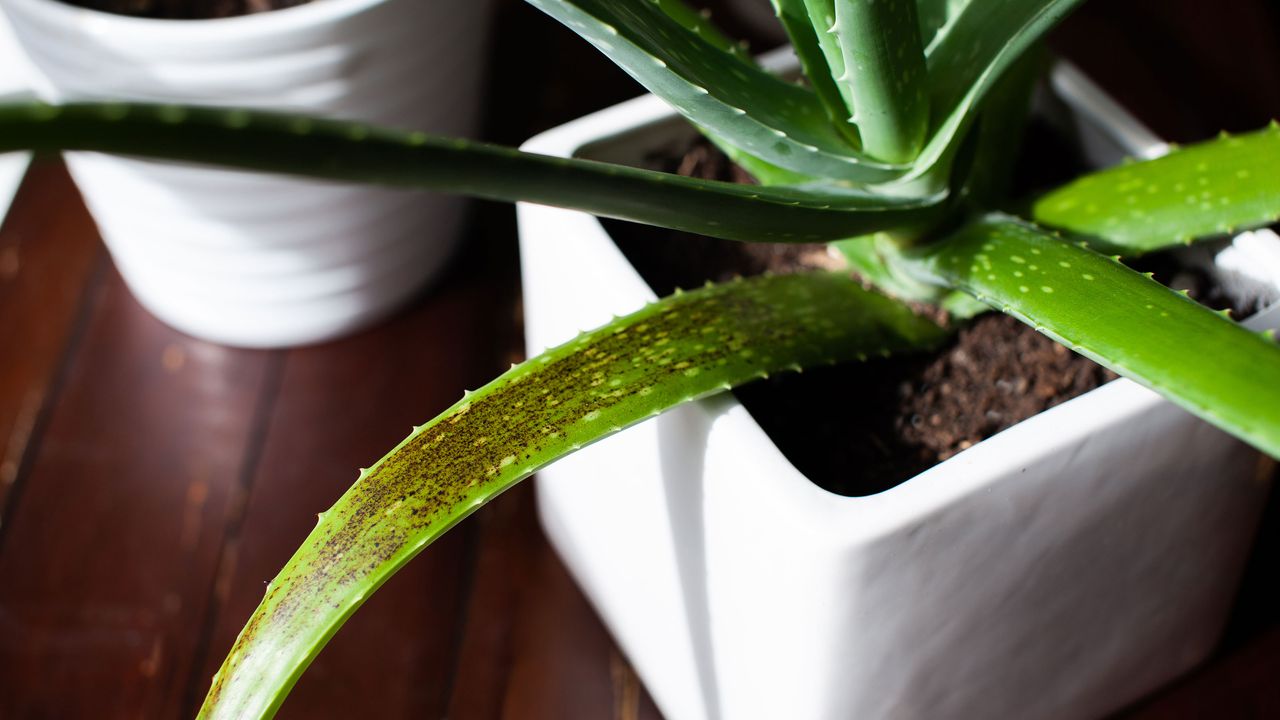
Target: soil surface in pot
<point>185,9</point>
<point>862,428</point>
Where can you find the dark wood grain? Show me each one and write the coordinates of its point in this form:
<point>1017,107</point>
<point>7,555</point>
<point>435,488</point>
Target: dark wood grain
<point>49,251</point>
<point>1241,684</point>
<point>533,647</point>
<point>113,537</point>
<point>340,407</point>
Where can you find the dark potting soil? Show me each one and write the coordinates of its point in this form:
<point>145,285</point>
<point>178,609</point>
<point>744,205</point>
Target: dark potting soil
<point>186,9</point>
<point>861,428</point>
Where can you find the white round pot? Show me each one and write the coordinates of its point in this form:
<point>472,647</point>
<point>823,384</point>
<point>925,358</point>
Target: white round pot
<point>1058,570</point>
<point>259,260</point>
<point>13,88</point>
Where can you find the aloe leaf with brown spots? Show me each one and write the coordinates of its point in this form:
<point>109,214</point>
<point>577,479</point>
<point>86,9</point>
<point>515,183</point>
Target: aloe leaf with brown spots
<point>678,349</point>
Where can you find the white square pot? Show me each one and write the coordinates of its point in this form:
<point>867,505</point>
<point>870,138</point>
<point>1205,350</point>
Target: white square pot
<point>258,260</point>
<point>1060,569</point>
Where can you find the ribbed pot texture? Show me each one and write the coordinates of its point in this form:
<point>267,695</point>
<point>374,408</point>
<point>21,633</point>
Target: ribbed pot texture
<point>255,260</point>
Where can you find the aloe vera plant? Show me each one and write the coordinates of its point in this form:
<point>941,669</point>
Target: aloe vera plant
<point>894,148</point>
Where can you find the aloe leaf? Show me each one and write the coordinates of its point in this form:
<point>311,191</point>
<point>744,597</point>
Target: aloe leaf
<point>775,120</point>
<point>998,137</point>
<point>1123,320</point>
<point>884,70</point>
<point>982,40</point>
<point>936,17</point>
<point>683,347</point>
<point>821,15</point>
<point>354,152</point>
<point>700,24</point>
<point>1215,187</point>
<point>766,173</point>
<point>794,17</point>
<point>878,260</point>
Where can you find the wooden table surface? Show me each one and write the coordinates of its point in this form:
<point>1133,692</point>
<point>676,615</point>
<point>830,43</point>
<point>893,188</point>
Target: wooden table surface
<point>150,484</point>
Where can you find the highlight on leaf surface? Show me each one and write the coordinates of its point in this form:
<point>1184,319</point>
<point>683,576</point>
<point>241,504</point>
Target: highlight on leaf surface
<point>884,70</point>
<point>1123,320</point>
<point>1211,188</point>
<point>809,49</point>
<point>683,347</point>
<point>965,59</point>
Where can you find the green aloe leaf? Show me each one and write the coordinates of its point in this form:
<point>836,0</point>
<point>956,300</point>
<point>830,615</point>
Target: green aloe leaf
<point>985,183</point>
<point>878,260</point>
<point>675,350</point>
<point>765,173</point>
<point>997,139</point>
<point>821,15</point>
<point>351,151</point>
<point>1211,188</point>
<point>700,24</point>
<point>1096,306</point>
<point>794,17</point>
<point>980,42</point>
<point>775,120</point>
<point>936,18</point>
<point>883,77</point>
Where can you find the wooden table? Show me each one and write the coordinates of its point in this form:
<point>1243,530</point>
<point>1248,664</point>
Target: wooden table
<point>150,484</point>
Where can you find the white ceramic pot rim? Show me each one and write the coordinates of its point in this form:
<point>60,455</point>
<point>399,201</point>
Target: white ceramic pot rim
<point>230,29</point>
<point>848,520</point>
